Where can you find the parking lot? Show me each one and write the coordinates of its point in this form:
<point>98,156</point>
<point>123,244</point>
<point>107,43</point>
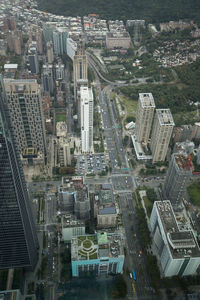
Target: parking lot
<point>90,164</point>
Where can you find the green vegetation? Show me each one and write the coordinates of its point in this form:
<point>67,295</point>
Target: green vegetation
<point>148,204</point>
<point>118,288</point>
<point>179,96</point>
<point>3,279</point>
<point>89,228</point>
<point>87,244</point>
<point>143,230</point>
<point>66,264</point>
<point>194,193</point>
<point>60,117</point>
<point>152,11</point>
<point>93,256</point>
<point>154,272</point>
<point>63,170</point>
<point>129,103</point>
<point>130,119</point>
<point>151,195</point>
<point>42,272</point>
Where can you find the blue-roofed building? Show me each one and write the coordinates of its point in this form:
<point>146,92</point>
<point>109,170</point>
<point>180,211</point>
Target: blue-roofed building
<point>97,254</point>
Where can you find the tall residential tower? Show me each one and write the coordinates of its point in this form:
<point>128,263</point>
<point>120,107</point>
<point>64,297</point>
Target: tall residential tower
<point>162,130</point>
<point>86,97</point>
<point>80,66</point>
<point>178,175</point>
<point>25,105</point>
<point>18,239</point>
<point>144,118</point>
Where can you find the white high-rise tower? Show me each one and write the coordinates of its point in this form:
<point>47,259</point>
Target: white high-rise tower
<point>86,97</point>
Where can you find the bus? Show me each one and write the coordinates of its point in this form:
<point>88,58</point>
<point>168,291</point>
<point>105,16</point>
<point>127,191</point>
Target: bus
<point>134,276</point>
<point>133,287</point>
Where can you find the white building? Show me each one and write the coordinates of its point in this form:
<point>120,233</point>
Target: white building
<point>71,48</point>
<point>177,249</point>
<point>86,97</point>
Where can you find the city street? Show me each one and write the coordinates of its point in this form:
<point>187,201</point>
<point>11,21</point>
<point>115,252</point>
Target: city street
<point>135,259</point>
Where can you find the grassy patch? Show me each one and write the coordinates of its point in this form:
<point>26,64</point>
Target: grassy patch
<point>194,193</point>
<point>93,256</point>
<point>82,238</point>
<point>60,117</point>
<point>87,244</point>
<point>148,205</point>
<point>130,104</point>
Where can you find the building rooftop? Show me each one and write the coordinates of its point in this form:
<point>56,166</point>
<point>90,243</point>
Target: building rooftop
<point>182,243</point>
<point>10,66</point>
<point>147,100</point>
<point>116,34</point>
<point>108,210</point>
<point>165,117</point>
<point>96,246</point>
<point>106,197</point>
<point>183,161</point>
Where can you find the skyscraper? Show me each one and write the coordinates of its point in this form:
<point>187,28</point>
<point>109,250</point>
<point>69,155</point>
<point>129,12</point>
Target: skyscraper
<point>33,58</point>
<point>80,67</point>
<point>144,118</point>
<point>178,175</point>
<point>60,40</point>
<point>50,56</point>
<point>25,106</point>
<point>18,239</point>
<point>86,97</point>
<point>162,130</point>
<point>47,78</point>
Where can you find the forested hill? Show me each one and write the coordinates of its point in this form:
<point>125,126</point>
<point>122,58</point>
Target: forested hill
<point>154,11</point>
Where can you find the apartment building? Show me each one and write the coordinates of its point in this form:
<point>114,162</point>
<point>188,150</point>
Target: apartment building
<point>86,98</point>
<point>178,175</point>
<point>161,134</point>
<point>144,117</point>
<point>26,111</point>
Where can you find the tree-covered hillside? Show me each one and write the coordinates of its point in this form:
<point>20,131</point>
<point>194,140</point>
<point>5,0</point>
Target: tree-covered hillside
<point>151,10</point>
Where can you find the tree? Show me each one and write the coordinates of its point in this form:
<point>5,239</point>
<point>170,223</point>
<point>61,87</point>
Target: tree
<point>119,288</point>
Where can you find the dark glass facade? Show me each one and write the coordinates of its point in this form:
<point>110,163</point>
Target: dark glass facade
<point>18,238</point>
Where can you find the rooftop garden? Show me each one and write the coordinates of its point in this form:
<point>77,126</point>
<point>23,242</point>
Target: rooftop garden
<point>87,247</point>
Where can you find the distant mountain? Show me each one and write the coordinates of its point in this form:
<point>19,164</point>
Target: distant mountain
<point>154,11</point>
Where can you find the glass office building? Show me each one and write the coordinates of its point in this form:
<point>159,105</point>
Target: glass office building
<point>18,238</point>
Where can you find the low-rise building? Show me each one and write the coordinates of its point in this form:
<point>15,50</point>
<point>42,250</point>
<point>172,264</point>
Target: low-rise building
<point>72,228</point>
<point>119,40</point>
<point>99,254</point>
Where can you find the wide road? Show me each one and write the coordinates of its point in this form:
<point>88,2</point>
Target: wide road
<point>123,184</point>
<point>134,256</point>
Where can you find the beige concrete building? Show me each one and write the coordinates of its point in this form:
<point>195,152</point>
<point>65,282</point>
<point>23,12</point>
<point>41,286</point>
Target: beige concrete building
<point>25,105</point>
<point>144,117</point>
<point>14,40</point>
<point>64,152</point>
<point>80,67</point>
<point>107,217</point>
<point>162,130</point>
<point>118,40</point>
